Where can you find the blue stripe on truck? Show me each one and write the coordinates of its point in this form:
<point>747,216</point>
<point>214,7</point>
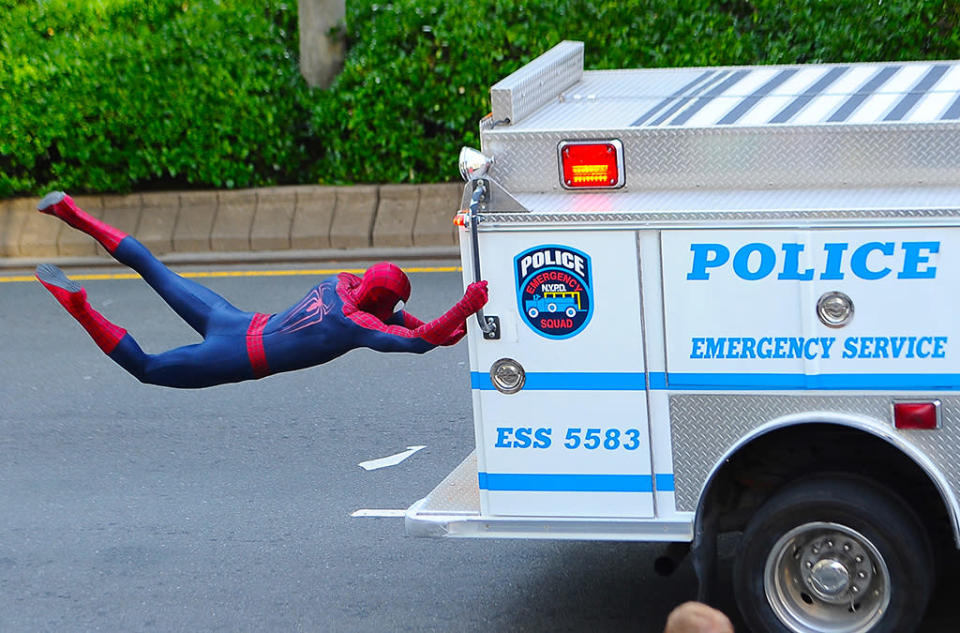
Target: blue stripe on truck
<point>636,381</point>
<point>571,381</point>
<point>523,482</point>
<point>829,382</point>
<point>526,482</point>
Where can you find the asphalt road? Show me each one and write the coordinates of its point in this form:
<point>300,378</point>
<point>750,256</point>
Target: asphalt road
<point>137,508</point>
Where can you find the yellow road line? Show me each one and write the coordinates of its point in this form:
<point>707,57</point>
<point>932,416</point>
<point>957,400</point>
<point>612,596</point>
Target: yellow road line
<point>237,273</point>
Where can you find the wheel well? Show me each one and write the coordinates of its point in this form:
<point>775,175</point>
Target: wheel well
<point>769,461</point>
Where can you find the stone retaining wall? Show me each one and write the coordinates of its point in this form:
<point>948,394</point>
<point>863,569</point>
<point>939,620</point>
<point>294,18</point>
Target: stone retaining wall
<point>303,218</point>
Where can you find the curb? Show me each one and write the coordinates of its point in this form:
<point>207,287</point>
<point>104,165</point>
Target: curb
<point>292,223</point>
<point>449,254</point>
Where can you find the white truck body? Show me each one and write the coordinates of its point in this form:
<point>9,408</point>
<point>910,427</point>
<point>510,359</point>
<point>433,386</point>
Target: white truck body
<point>686,296</point>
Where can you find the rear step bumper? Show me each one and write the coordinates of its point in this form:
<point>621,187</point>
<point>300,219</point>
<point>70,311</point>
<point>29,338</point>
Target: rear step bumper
<point>452,509</point>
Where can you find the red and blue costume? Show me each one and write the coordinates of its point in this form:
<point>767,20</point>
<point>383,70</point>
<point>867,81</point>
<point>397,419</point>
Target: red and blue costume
<point>339,314</point>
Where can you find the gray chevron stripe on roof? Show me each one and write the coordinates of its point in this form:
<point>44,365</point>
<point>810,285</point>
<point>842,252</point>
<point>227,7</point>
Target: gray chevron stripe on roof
<point>751,100</point>
<point>863,92</point>
<point>676,95</point>
<point>712,94</point>
<point>689,97</point>
<point>953,112</point>
<point>921,88</point>
<point>819,86</point>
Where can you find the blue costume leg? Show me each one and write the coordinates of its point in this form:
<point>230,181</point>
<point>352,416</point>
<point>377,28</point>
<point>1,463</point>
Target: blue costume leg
<point>220,358</point>
<point>194,303</point>
<point>217,360</point>
<point>223,355</point>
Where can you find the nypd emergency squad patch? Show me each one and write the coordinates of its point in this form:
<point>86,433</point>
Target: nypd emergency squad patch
<point>554,290</point>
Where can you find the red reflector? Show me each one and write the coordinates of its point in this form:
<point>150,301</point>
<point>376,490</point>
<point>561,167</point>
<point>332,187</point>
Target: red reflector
<point>460,219</point>
<point>916,415</point>
<point>591,164</point>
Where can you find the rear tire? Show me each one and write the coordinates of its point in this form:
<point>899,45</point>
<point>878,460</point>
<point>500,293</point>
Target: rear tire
<point>836,554</point>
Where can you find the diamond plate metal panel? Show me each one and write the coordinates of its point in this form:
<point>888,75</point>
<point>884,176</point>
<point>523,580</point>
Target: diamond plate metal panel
<point>537,83</point>
<point>704,219</point>
<point>742,157</point>
<point>459,492</point>
<point>705,427</point>
<point>872,201</point>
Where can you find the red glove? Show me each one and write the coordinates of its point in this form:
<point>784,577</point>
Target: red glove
<point>473,299</point>
<point>450,328</point>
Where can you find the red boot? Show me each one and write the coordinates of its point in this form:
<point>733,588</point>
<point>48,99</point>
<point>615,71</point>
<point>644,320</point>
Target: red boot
<point>73,297</point>
<point>61,205</point>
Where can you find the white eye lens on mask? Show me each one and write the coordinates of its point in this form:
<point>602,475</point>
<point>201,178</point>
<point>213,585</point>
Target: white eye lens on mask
<point>399,306</point>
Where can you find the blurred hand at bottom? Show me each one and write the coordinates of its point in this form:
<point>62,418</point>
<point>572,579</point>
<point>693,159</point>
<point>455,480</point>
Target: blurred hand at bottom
<point>696,617</point>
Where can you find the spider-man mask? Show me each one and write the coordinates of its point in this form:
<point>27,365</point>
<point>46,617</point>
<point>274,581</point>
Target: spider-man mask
<point>382,286</point>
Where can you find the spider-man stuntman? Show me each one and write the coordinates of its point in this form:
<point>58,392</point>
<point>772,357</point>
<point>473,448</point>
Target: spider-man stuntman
<point>339,314</point>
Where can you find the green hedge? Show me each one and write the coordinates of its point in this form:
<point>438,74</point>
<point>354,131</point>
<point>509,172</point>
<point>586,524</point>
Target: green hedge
<point>112,95</point>
<point>116,95</point>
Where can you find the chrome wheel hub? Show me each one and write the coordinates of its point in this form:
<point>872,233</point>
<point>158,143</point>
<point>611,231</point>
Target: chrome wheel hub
<point>836,567</point>
<point>826,578</point>
<point>829,579</point>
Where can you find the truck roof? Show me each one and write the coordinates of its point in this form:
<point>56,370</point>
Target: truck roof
<point>882,125</point>
<point>854,93</point>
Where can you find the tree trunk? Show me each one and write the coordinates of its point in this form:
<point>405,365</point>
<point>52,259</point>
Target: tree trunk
<point>322,35</point>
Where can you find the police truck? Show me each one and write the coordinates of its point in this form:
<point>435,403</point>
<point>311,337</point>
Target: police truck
<point>762,264</point>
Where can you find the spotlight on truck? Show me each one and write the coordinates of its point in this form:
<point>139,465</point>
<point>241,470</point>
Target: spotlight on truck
<point>473,164</point>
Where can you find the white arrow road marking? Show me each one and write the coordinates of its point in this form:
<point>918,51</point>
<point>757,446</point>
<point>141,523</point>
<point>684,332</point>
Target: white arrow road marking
<point>392,460</point>
<point>367,512</point>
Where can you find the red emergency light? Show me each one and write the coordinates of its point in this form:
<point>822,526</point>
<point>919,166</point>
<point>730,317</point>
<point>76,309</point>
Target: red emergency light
<point>917,415</point>
<point>591,164</point>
